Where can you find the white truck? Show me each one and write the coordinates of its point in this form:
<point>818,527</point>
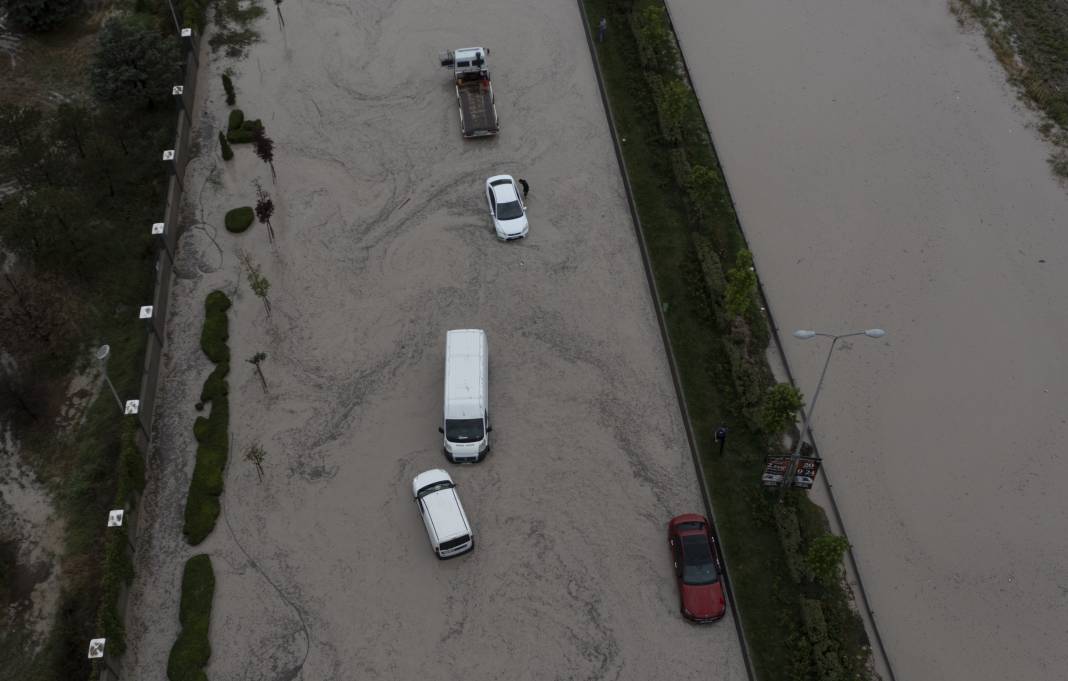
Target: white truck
<point>474,91</point>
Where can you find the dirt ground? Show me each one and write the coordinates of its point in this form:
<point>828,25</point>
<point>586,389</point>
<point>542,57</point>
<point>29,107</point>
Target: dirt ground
<point>886,175</point>
<point>323,567</point>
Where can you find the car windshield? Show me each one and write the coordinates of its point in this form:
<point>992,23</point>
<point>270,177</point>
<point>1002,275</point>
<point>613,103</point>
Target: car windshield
<point>509,211</point>
<point>464,430</point>
<point>698,566</point>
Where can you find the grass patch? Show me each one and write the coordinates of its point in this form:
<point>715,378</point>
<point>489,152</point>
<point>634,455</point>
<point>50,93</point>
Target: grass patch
<point>692,233</point>
<point>211,432</point>
<point>192,650</point>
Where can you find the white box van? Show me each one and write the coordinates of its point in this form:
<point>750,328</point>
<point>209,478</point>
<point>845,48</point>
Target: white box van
<point>466,415</point>
<point>446,523</point>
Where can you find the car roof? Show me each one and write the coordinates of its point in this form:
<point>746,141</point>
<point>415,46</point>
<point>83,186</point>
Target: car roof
<point>505,192</point>
<point>443,508</point>
<point>430,477</point>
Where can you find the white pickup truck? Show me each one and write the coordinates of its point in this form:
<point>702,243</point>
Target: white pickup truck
<point>474,91</point>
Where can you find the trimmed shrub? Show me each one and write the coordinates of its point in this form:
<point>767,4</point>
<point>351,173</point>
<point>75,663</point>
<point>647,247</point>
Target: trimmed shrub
<point>239,219</point>
<point>227,152</point>
<point>246,133</point>
<point>192,650</point>
<point>211,432</point>
<point>216,331</point>
<point>228,86</point>
<point>236,120</point>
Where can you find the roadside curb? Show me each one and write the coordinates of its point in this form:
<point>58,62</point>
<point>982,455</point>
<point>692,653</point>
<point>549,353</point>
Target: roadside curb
<point>665,338</point>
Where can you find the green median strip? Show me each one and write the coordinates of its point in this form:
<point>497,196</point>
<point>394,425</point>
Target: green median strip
<point>785,570</point>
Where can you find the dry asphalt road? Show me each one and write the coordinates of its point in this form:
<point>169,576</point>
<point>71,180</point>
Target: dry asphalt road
<point>323,567</point>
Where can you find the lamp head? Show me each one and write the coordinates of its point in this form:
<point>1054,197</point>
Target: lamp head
<point>102,352</point>
<point>804,334</point>
<point>874,333</point>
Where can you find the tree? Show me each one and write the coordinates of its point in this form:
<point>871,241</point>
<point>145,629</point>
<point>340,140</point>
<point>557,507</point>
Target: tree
<point>741,286</point>
<point>264,209</point>
<point>824,558</point>
<point>264,147</point>
<point>654,40</point>
<point>673,100</point>
<point>703,188</point>
<point>133,63</point>
<point>255,454</point>
<point>779,410</point>
<point>255,361</point>
<point>256,281</point>
<point>38,16</point>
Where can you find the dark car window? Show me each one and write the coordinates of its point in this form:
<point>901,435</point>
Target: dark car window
<point>453,543</point>
<point>509,211</point>
<point>464,430</point>
<point>698,565</point>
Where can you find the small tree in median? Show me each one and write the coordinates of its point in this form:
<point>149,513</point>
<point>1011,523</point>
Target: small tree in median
<point>264,147</point>
<point>257,282</point>
<point>741,286</point>
<point>255,361</point>
<point>824,558</point>
<point>779,410</point>
<point>264,209</point>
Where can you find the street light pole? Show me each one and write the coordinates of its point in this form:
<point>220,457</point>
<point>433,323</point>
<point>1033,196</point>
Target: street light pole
<point>102,356</point>
<point>806,425</point>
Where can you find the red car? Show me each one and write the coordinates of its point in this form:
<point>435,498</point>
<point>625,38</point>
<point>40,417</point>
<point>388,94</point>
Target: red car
<point>697,568</point>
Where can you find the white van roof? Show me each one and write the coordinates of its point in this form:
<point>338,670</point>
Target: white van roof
<point>464,361</point>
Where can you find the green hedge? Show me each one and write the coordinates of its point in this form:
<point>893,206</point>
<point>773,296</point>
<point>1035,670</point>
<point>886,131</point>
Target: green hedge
<point>239,219</point>
<point>192,650</point>
<point>211,432</point>
<point>236,120</point>
<point>228,86</point>
<point>216,330</point>
<point>245,133</point>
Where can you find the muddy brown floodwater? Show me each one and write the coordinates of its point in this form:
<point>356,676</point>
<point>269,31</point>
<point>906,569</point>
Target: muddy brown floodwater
<point>384,243</point>
<point>886,175</point>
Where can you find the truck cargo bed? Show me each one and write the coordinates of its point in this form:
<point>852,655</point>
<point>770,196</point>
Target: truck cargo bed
<point>478,114</point>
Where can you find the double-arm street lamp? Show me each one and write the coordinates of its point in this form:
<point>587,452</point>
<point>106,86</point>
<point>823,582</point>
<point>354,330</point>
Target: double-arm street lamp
<point>804,334</point>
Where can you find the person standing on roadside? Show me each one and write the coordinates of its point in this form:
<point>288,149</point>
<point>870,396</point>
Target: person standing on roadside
<point>525,186</point>
<point>602,29</point>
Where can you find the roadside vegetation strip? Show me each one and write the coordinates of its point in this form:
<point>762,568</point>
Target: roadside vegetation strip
<point>1030,40</point>
<point>785,575</point>
<point>192,649</point>
<point>212,431</point>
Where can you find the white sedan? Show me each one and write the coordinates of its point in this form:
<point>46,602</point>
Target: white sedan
<point>506,208</point>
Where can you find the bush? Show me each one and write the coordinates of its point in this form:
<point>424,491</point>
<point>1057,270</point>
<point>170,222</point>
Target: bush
<point>227,152</point>
<point>40,15</point>
<point>228,85</point>
<point>192,650</point>
<point>237,118</point>
<point>216,331</point>
<point>239,219</point>
<point>673,101</point>
<point>741,285</point>
<point>824,557</point>
<point>212,432</point>
<point>133,63</point>
<point>779,410</point>
<point>246,133</point>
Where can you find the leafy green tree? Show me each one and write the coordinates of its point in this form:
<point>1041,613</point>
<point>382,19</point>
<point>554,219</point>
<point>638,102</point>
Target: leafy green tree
<point>824,558</point>
<point>133,63</point>
<point>703,188</point>
<point>655,45</point>
<point>741,285</point>
<point>779,409</point>
<point>38,16</point>
<point>674,101</point>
